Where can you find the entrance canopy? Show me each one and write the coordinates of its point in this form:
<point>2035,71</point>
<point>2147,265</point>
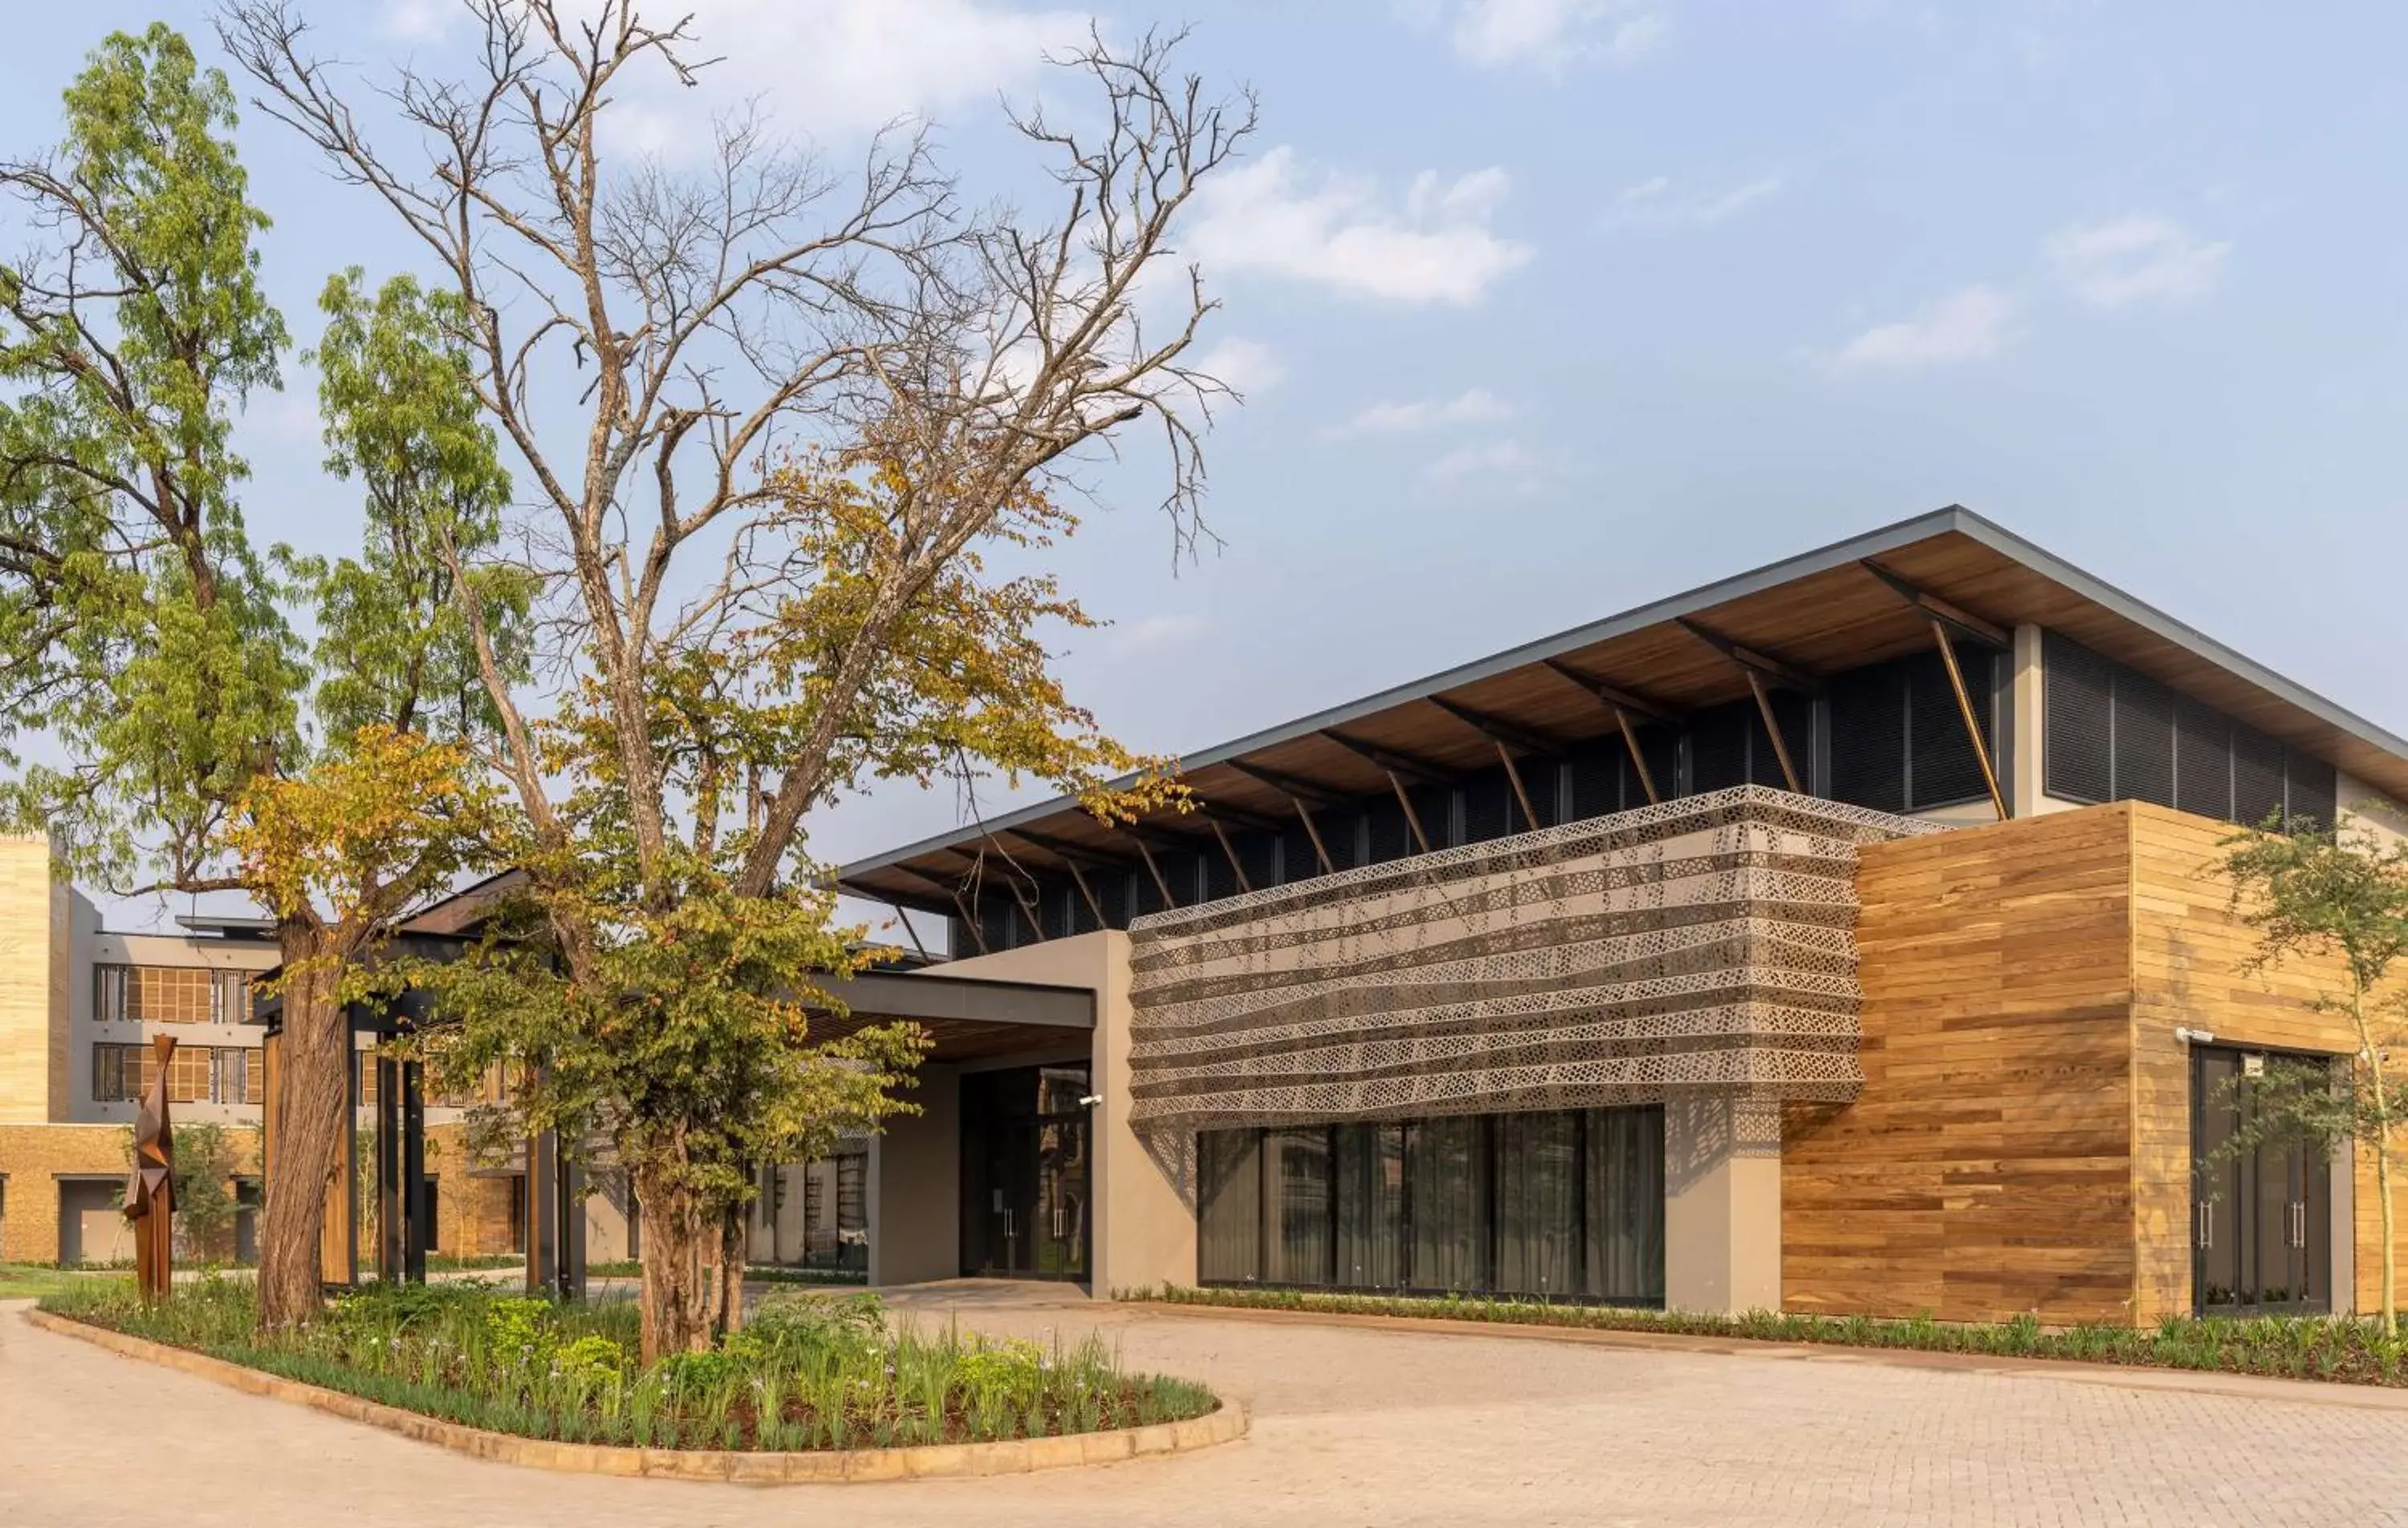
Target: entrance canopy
<point>966,1018</point>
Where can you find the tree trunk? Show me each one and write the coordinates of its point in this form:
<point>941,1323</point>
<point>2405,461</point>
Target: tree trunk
<point>313,1088</point>
<point>2378,1086</point>
<point>680,1285</point>
<point>731,1270</point>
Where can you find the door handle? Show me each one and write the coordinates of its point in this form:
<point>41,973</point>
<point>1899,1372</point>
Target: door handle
<point>2206,1224</point>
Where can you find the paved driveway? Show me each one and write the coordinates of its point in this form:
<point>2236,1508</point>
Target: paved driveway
<point>1352,1426</point>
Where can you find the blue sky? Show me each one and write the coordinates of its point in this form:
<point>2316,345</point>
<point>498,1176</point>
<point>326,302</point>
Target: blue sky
<point>1545,307</point>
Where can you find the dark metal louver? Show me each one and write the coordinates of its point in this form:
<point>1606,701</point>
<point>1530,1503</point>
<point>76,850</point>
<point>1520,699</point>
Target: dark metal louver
<point>2145,740</point>
<point>1390,837</point>
<point>995,921</point>
<point>2078,761</point>
<point>1435,806</point>
<point>1661,748</point>
<point>2203,759</point>
<point>1718,746</point>
<point>1258,851</point>
<point>1596,778</point>
<point>1487,806</point>
<point>1942,769</point>
<point>1296,859</point>
<point>2312,789</point>
<point>1867,737</point>
<point>2257,778</point>
<point>1220,881</point>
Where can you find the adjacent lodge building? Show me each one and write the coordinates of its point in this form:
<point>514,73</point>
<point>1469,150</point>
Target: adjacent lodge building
<point>1838,937</point>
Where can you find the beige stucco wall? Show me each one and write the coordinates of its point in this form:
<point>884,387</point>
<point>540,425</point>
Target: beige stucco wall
<point>914,1186</point>
<point>1722,1205</point>
<point>1145,1214</point>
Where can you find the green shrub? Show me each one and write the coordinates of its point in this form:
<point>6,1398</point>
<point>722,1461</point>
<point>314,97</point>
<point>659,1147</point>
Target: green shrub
<point>2304,1347</point>
<point>812,1371</point>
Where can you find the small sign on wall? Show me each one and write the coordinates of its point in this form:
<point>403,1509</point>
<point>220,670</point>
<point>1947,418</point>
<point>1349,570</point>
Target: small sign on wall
<point>2253,1067</point>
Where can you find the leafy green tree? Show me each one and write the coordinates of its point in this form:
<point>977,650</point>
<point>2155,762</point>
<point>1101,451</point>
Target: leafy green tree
<point>772,417</point>
<point>2335,899</point>
<point>149,640</point>
<point>207,1160</point>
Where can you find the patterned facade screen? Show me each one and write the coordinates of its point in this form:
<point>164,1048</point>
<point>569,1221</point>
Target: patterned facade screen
<point>1705,943</point>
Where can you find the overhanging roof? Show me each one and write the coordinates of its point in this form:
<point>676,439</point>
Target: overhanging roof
<point>965,1018</point>
<point>1824,611</point>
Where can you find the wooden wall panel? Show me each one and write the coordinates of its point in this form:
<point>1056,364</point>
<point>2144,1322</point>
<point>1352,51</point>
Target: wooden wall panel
<point>2188,947</point>
<point>1986,1168</point>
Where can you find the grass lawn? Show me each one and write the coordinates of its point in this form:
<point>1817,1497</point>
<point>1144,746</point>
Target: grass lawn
<point>807,1372</point>
<point>33,1280</point>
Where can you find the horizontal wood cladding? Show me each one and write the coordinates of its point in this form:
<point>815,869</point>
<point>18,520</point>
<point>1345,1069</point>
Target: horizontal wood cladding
<point>2188,949</point>
<point>1986,1168</point>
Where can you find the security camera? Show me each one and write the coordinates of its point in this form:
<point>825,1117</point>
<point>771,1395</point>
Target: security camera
<point>2194,1036</point>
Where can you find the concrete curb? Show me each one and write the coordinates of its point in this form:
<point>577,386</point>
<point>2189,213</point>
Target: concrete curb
<point>829,1468</point>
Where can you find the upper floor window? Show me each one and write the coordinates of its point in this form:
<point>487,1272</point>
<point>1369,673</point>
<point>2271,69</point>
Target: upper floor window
<point>170,994</point>
<point>198,1074</point>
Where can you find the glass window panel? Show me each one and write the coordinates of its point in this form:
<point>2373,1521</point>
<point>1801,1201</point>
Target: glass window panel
<point>1448,1170</point>
<point>1229,1205</point>
<point>1537,1204</point>
<point>1297,1163</point>
<point>1625,1205</point>
<point>1371,1206</point>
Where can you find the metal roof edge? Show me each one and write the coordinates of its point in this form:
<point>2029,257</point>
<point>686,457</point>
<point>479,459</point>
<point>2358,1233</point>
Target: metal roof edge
<point>2180,633</point>
<point>1873,543</point>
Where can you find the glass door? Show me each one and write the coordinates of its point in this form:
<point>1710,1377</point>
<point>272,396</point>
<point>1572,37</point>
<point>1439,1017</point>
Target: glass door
<point>2261,1214</point>
<point>1025,1173</point>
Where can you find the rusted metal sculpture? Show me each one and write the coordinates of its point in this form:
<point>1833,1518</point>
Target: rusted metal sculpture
<point>150,1187</point>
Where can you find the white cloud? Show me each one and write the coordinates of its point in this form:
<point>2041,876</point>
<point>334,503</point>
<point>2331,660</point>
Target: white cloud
<point>823,66</point>
<point>1242,366</point>
<point>1277,215</point>
<point>1550,35</point>
<point>1499,462</point>
<point>2135,259</point>
<point>1964,325</point>
<point>1650,205</point>
<point>1474,405</point>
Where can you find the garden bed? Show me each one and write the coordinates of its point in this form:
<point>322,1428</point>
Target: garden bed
<point>810,1374</point>
<point>2336,1349</point>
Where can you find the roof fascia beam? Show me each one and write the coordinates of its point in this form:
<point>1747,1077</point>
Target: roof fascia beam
<point>1498,729</point>
<point>1616,698</point>
<point>1771,668</point>
<point>1955,617</point>
<point>1070,853</point>
<point>1294,787</point>
<point>1235,816</point>
<point>1396,761</point>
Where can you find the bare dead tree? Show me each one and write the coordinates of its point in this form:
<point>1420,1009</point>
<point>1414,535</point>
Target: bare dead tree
<point>656,338</point>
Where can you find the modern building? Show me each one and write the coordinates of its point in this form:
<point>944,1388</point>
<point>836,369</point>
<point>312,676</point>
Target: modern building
<point>79,1005</point>
<point>1837,937</point>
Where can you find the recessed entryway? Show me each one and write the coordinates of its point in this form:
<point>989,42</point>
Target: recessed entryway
<point>2261,1218</point>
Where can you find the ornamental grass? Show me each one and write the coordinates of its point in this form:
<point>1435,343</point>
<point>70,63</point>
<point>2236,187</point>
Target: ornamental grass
<point>2326,1347</point>
<point>808,1371</point>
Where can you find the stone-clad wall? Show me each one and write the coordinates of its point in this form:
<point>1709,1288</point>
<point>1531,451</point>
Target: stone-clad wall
<point>1702,944</point>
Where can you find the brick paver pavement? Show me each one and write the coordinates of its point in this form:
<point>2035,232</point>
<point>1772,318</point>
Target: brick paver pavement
<point>1352,1426</point>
